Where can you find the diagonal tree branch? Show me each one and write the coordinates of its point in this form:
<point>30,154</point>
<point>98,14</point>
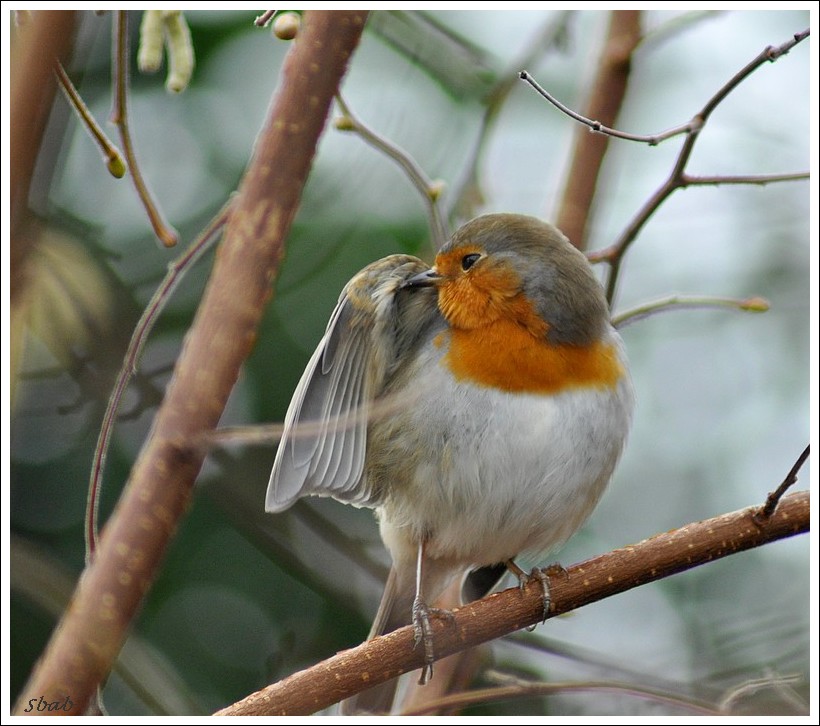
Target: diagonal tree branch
<point>158,492</point>
<point>383,658</point>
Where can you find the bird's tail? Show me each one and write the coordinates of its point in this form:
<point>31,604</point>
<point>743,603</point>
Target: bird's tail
<point>395,611</point>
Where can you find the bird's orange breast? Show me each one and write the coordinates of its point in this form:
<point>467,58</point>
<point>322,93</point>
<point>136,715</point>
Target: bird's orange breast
<point>506,356</point>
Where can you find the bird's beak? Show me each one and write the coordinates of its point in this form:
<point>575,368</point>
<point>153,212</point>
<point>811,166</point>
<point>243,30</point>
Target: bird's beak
<point>428,278</point>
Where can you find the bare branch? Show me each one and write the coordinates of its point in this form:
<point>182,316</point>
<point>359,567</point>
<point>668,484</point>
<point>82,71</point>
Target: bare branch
<point>758,179</point>
<point>677,178</point>
<point>758,684</point>
<point>46,37</point>
<point>600,128</point>
<point>678,24</point>
<point>113,159</point>
<point>176,272</point>
<point>387,657</point>
<point>791,478</point>
<point>429,190</point>
<point>460,701</point>
<point>688,302</point>
<point>694,125</point>
<point>119,116</point>
<point>768,54</point>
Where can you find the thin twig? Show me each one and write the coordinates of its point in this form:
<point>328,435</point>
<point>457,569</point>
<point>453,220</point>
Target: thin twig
<point>467,192</point>
<point>687,302</point>
<point>173,277</point>
<point>774,497</point>
<point>758,179</point>
<point>119,116</point>
<point>769,53</point>
<point>267,434</point>
<point>458,701</point>
<point>753,686</point>
<point>677,178</point>
<point>677,24</point>
<point>599,128</point>
<point>262,20</point>
<point>429,190</point>
<point>113,158</point>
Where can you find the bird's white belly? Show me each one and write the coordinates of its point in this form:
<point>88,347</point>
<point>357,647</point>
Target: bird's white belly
<point>496,474</point>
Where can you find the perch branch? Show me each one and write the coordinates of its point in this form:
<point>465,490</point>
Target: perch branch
<point>386,657</point>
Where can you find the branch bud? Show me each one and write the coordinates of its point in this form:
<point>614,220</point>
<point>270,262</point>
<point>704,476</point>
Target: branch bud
<point>286,26</point>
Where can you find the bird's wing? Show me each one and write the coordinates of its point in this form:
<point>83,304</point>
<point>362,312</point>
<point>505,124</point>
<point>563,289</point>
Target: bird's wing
<point>322,450</point>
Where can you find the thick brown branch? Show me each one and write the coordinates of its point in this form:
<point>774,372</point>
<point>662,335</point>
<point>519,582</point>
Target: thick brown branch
<point>134,541</point>
<point>665,554</point>
<point>605,100</point>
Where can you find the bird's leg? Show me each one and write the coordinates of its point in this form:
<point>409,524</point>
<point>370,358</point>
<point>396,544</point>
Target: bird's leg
<point>421,621</point>
<point>535,574</point>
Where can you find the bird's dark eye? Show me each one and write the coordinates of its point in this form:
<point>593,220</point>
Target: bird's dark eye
<point>469,260</point>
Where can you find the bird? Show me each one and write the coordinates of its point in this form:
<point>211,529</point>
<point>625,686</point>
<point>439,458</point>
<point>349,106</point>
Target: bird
<point>479,406</point>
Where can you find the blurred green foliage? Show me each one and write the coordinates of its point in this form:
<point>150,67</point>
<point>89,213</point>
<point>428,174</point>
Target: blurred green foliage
<point>245,598</point>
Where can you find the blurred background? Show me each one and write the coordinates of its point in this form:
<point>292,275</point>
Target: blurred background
<point>246,598</point>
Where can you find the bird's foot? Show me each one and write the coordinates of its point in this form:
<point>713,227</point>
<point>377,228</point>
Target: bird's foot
<point>542,576</point>
<point>424,634</point>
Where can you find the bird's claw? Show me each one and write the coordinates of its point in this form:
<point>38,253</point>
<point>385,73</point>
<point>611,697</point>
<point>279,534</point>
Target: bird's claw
<point>536,574</point>
<point>424,634</point>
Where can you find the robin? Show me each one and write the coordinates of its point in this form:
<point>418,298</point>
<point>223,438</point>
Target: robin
<point>479,406</point>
